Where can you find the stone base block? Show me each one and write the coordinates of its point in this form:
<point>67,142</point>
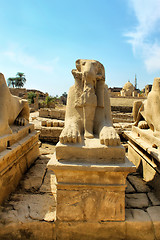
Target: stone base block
<point>16,159</point>
<point>50,134</point>
<point>90,192</point>
<point>90,150</point>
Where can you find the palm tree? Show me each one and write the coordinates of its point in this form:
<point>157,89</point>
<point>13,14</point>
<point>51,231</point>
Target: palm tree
<point>11,82</point>
<point>20,80</point>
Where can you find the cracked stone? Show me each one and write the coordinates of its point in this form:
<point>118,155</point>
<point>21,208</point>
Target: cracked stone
<point>44,159</point>
<point>153,199</point>
<point>138,184</point>
<point>33,178</point>
<point>129,188</point>
<point>137,200</point>
<point>19,211</point>
<point>49,183</point>
<point>42,207</point>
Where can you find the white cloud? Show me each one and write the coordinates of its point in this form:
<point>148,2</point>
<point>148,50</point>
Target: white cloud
<point>21,58</point>
<point>141,37</point>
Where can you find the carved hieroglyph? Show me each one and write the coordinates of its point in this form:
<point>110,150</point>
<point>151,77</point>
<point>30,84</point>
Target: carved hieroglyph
<point>88,106</point>
<point>12,109</point>
<point>147,114</point>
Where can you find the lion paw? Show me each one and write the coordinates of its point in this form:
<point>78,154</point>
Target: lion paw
<point>109,137</point>
<point>143,125</point>
<point>70,135</point>
<point>21,121</point>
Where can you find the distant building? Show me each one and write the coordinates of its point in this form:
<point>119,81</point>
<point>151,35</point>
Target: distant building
<point>128,90</point>
<point>115,91</point>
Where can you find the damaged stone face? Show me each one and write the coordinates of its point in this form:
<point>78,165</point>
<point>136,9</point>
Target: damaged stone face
<point>14,110</point>
<point>88,111</point>
<point>147,114</point>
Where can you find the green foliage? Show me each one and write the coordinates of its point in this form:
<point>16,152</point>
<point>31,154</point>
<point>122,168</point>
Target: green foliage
<point>11,82</point>
<point>18,81</point>
<point>31,96</point>
<point>49,99</point>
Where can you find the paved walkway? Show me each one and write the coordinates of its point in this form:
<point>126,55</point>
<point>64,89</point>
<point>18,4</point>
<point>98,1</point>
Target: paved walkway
<point>30,211</point>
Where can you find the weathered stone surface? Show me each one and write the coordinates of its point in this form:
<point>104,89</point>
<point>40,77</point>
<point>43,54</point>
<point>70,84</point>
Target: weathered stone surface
<point>138,225</point>
<point>47,149</point>
<point>28,207</point>
<point>49,183</point>
<point>129,188</point>
<point>88,110</point>
<point>90,230</point>
<point>34,177</point>
<point>81,204</point>
<point>50,134</point>
<point>52,113</point>
<point>138,184</point>
<point>90,150</point>
<point>43,159</point>
<point>154,213</point>
<point>31,231</point>
<point>137,200</point>
<point>154,200</point>
<point>39,210</point>
<point>16,160</point>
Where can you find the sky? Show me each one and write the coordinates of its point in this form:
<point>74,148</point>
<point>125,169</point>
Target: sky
<point>44,38</point>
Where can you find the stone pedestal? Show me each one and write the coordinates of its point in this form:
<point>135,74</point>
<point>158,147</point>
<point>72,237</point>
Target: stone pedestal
<point>90,181</point>
<point>17,152</point>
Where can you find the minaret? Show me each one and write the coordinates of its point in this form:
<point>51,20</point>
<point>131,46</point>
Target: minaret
<point>135,82</point>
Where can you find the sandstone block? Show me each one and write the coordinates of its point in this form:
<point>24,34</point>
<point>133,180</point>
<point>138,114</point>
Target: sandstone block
<point>90,150</point>
<point>137,200</point>
<point>138,225</point>
<point>154,213</point>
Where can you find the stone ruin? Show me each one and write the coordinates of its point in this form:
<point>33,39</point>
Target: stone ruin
<point>91,170</point>
<point>144,139</point>
<point>18,140</point>
<point>89,163</point>
<point>50,123</point>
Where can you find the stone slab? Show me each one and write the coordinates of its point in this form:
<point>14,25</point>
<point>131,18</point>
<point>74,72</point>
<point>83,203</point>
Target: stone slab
<point>138,225</point>
<point>19,132</point>
<point>90,150</point>
<point>125,166</point>
<point>90,231</point>
<point>154,213</point>
<point>28,231</point>
<point>15,161</point>
<point>91,203</point>
<point>137,200</point>
<point>139,184</point>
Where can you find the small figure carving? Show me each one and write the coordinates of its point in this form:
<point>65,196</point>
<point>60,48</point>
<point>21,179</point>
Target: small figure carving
<point>146,114</point>
<point>13,110</point>
<point>88,106</point>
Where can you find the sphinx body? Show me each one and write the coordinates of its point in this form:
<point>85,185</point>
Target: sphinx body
<point>13,110</point>
<point>88,110</point>
<point>147,114</point>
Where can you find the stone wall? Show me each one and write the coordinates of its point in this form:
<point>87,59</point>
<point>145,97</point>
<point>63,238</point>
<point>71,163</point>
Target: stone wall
<point>19,92</point>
